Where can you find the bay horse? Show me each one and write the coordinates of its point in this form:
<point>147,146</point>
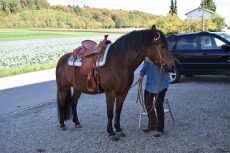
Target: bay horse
<point>116,76</point>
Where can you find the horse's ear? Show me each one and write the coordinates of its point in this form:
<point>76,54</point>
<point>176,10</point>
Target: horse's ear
<point>154,32</point>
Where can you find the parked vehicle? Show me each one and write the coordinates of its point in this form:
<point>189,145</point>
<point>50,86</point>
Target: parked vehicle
<point>224,29</point>
<point>200,53</point>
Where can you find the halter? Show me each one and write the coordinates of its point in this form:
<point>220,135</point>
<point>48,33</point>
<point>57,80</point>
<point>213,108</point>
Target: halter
<point>159,53</point>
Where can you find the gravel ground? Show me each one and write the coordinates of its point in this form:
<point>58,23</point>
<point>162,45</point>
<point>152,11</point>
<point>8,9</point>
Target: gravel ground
<point>200,107</point>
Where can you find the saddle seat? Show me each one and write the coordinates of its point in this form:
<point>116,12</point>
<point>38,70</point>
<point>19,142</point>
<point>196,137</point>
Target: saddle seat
<point>88,43</point>
<point>91,52</point>
<point>92,47</point>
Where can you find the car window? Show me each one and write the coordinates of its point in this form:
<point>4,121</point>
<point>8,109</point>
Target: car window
<point>172,42</point>
<point>225,36</point>
<point>219,43</point>
<point>187,43</point>
<point>206,42</point>
<point>210,42</point>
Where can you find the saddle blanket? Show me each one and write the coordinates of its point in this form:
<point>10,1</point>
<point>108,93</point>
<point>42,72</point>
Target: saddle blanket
<point>78,60</point>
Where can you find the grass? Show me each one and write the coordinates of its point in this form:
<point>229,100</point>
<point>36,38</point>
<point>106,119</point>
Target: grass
<point>26,69</point>
<point>20,34</point>
<point>114,31</point>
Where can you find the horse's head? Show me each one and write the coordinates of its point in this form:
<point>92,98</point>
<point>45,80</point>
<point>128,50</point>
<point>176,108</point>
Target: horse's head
<point>159,52</point>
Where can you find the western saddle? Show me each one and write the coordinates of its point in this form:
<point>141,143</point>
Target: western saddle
<point>91,52</point>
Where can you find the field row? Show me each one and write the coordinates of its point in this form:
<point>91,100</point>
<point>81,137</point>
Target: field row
<point>15,54</point>
<point>26,34</point>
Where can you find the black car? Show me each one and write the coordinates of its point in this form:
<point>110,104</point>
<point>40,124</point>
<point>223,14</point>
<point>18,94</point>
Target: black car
<point>200,53</point>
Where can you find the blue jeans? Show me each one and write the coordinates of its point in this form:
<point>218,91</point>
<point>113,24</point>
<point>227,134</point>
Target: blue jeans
<point>148,97</point>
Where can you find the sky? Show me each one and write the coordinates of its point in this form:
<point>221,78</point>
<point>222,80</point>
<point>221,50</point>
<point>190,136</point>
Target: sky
<point>156,7</point>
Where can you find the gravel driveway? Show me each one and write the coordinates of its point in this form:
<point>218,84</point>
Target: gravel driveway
<point>200,106</point>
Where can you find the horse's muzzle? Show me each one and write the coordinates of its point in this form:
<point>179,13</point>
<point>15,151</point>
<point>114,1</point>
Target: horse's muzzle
<point>168,68</point>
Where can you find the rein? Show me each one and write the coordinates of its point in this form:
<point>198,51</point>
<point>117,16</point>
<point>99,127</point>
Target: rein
<point>140,92</point>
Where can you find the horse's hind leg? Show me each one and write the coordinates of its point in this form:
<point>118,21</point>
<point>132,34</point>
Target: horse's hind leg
<point>76,96</point>
<point>64,106</point>
<point>119,103</point>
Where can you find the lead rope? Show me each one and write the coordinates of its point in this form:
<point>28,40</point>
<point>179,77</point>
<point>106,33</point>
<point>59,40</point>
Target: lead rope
<point>140,93</point>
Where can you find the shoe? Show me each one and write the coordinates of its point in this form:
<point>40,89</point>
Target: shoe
<point>148,129</point>
<point>157,134</point>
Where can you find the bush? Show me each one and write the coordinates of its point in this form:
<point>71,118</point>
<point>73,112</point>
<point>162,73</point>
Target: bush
<point>172,24</point>
<point>220,21</point>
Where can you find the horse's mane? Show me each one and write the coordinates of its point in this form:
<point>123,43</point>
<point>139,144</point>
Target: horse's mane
<point>135,40</point>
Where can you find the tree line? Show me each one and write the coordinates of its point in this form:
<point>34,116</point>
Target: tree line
<point>40,14</point>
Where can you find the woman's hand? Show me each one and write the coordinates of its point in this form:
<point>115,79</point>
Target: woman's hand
<point>148,60</point>
<point>140,79</point>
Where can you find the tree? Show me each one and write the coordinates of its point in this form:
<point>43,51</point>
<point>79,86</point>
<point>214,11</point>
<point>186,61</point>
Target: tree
<point>220,21</point>
<point>122,22</point>
<point>24,3</point>
<point>175,8</point>
<point>7,11</point>
<point>209,4</point>
<point>86,15</point>
<point>5,4</point>
<point>209,25</point>
<point>38,7</point>
<point>97,16</point>
<point>78,10</point>
<point>15,7</point>
<point>24,16</point>
<point>115,16</point>
<point>1,7</point>
<point>106,12</point>
<point>46,4</point>
<point>31,3</point>
<point>171,11</point>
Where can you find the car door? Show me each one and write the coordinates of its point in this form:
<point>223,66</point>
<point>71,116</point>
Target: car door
<point>215,60</point>
<point>186,53</point>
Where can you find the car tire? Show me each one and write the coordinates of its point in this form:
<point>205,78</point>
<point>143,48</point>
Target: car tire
<point>188,75</point>
<point>174,76</point>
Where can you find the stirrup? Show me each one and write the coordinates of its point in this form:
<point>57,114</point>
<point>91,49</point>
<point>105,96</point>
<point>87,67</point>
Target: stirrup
<point>91,85</point>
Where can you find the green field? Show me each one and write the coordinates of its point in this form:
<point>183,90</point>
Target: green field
<point>40,53</point>
<point>20,34</point>
<point>27,34</point>
<point>26,69</point>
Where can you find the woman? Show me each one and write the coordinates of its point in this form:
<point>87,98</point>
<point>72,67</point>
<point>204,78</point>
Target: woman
<point>153,71</point>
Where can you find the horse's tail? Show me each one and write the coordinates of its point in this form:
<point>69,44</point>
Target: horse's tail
<point>66,111</point>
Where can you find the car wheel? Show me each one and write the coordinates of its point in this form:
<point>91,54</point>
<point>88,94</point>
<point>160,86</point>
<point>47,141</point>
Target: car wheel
<point>188,75</point>
<point>174,76</point>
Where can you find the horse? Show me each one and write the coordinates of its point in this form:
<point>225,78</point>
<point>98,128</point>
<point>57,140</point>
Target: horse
<point>116,76</point>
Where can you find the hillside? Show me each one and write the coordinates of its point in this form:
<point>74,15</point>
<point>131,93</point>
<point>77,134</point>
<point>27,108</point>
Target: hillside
<point>40,14</point>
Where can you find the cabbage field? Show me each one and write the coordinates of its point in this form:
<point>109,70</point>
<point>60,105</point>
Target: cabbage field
<point>15,54</point>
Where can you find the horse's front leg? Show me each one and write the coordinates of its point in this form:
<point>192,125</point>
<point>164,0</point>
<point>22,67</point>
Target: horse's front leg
<point>76,96</point>
<point>119,103</point>
<point>110,98</point>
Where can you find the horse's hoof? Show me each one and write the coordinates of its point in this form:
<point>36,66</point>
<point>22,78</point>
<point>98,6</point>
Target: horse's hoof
<point>78,126</point>
<point>63,128</point>
<point>113,138</point>
<point>120,134</point>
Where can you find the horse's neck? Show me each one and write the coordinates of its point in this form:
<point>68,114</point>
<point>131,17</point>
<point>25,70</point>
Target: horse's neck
<point>132,60</point>
<point>136,59</point>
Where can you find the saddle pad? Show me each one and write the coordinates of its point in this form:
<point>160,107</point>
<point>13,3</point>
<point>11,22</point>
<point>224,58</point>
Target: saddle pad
<point>78,61</point>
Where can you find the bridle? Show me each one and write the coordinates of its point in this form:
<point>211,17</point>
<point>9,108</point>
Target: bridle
<point>159,53</point>
<point>140,92</point>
